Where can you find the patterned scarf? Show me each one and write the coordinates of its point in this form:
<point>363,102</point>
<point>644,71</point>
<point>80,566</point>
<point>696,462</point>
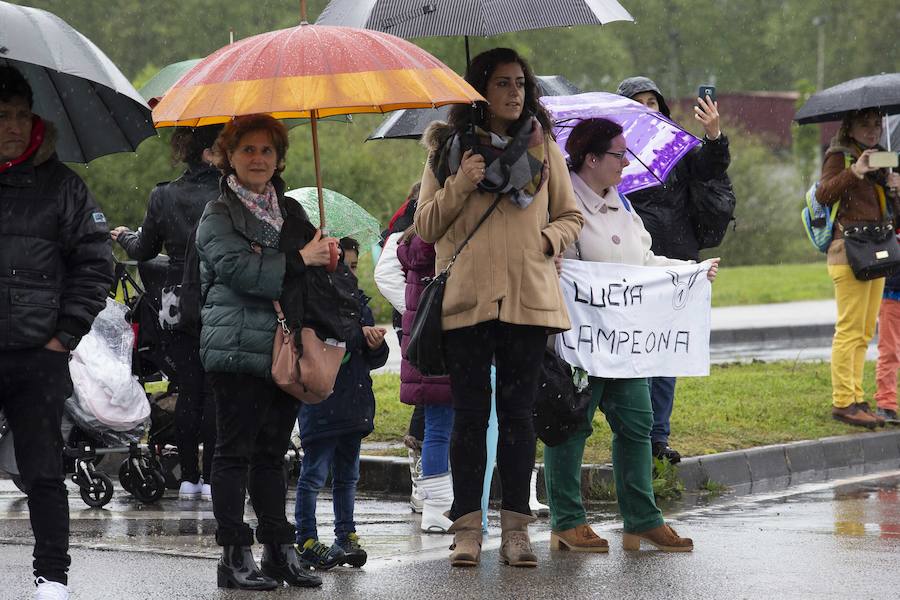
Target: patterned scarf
<point>516,166</point>
<point>262,206</point>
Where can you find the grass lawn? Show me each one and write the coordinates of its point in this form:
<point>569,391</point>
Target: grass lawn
<point>737,406</point>
<point>764,284</point>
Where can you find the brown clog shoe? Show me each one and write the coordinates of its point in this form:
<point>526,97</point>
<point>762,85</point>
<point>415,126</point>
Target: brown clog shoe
<point>580,538</point>
<point>663,537</point>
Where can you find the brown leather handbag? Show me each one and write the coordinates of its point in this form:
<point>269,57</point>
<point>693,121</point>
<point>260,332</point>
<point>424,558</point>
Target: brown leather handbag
<point>309,375</point>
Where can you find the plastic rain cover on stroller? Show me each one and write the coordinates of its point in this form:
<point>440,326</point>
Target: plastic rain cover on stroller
<point>108,400</point>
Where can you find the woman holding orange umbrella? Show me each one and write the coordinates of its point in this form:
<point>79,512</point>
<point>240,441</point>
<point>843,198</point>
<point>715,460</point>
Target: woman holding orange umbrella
<point>497,161</point>
<point>245,264</point>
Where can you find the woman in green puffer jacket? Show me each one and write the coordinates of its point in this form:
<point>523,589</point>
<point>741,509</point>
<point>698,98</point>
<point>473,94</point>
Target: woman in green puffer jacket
<point>245,264</point>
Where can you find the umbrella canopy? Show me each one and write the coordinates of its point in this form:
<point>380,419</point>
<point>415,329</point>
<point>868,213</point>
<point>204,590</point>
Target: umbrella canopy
<point>311,71</point>
<point>95,109</point>
<point>878,91</point>
<point>411,124</point>
<point>415,18</point>
<point>307,71</point>
<point>347,218</point>
<point>159,84</point>
<point>656,142</point>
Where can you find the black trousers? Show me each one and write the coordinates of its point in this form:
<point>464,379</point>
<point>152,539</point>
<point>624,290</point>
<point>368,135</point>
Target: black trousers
<point>254,420</point>
<point>195,411</point>
<point>516,350</point>
<point>34,385</point>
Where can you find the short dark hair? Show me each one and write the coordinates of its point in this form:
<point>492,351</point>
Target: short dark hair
<point>591,136</point>
<point>233,131</point>
<point>479,73</point>
<point>348,243</point>
<point>14,85</point>
<point>188,143</point>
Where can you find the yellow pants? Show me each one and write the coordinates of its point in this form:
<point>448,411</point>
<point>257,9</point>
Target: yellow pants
<point>857,308</point>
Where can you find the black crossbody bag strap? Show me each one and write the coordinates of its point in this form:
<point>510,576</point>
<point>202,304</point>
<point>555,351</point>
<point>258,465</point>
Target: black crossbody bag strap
<point>481,221</point>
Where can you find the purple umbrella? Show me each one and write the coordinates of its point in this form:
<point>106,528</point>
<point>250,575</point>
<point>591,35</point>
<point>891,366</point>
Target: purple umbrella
<point>656,142</point>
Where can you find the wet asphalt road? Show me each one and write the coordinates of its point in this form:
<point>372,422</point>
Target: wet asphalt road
<point>839,539</point>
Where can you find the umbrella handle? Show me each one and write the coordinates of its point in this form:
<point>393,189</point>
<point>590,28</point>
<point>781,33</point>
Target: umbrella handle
<point>331,267</point>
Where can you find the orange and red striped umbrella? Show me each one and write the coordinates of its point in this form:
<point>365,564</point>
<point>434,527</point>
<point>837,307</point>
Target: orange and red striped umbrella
<point>311,71</point>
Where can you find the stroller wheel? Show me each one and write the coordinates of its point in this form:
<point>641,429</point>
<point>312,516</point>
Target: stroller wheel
<point>125,477</point>
<point>100,490</point>
<point>151,488</point>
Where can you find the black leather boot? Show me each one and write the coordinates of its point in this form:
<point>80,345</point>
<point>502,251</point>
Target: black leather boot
<point>237,569</point>
<point>281,563</point>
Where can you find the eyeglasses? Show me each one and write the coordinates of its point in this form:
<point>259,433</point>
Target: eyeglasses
<point>618,155</point>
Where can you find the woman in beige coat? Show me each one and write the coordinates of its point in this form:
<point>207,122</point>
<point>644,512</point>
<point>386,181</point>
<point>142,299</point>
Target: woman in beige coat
<point>502,297</point>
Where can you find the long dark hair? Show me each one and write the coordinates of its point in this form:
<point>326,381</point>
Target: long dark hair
<point>591,136</point>
<point>479,74</point>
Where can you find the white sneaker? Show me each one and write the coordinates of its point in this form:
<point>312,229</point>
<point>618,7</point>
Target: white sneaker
<point>206,493</point>
<point>50,590</point>
<point>190,491</point>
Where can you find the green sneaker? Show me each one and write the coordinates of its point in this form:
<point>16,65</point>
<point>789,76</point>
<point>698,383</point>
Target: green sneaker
<point>319,556</point>
<point>354,555</point>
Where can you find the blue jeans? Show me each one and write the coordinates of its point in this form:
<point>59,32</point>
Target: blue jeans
<point>662,396</point>
<point>436,447</point>
<point>340,456</point>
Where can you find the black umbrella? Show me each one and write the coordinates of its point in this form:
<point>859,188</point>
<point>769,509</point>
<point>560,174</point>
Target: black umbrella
<point>420,18</point>
<point>831,104</point>
<point>95,109</point>
<point>411,123</point>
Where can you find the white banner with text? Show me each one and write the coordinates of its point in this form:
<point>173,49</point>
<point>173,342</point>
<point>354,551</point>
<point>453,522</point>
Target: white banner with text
<point>630,322</point>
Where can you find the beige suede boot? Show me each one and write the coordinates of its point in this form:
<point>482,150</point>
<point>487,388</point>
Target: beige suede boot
<point>515,545</point>
<point>466,546</point>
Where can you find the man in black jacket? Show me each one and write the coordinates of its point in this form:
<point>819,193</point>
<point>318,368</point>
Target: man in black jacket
<point>664,211</point>
<point>55,272</point>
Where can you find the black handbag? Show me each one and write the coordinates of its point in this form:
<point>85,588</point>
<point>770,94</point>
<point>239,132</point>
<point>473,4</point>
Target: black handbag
<point>426,349</point>
<point>872,249</point>
<point>559,409</point>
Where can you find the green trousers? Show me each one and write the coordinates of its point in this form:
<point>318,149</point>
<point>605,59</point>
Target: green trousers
<point>626,404</point>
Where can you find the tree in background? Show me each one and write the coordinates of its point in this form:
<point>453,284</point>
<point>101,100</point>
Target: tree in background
<point>740,45</point>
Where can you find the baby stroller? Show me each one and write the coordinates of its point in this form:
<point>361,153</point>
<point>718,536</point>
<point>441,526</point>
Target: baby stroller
<point>109,411</point>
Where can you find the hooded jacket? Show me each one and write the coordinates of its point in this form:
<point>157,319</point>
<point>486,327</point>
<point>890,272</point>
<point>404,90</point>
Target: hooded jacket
<point>351,407</point>
<point>172,215</point>
<point>664,208</point>
<point>56,265</point>
<point>503,273</point>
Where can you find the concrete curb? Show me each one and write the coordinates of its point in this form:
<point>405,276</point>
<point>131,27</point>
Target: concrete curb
<point>742,471</point>
<point>727,337</point>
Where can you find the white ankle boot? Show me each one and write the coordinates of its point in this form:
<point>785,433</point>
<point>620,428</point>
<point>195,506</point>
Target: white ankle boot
<point>539,509</point>
<point>438,492</point>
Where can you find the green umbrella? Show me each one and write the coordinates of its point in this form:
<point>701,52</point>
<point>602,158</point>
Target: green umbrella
<point>159,84</point>
<point>346,218</point>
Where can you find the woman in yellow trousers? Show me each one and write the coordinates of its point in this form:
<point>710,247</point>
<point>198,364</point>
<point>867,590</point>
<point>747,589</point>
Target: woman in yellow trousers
<point>864,193</point>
